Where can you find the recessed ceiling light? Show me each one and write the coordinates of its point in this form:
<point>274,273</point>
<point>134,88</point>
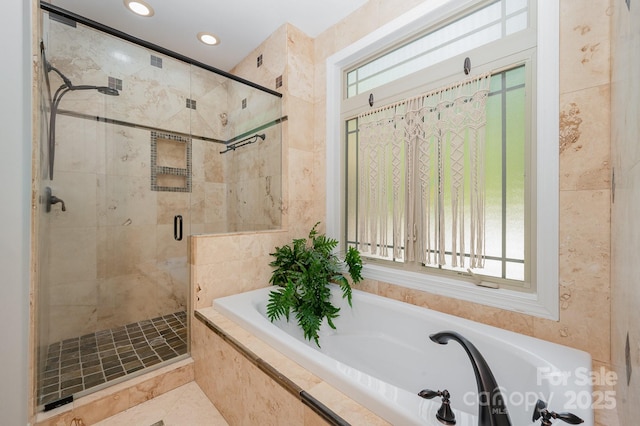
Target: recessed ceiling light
<point>208,38</point>
<point>139,7</point>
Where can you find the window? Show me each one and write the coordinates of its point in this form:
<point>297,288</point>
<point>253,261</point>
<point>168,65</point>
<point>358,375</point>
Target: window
<point>500,37</point>
<point>505,188</point>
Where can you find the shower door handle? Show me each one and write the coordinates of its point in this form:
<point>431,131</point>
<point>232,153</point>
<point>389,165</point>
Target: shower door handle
<point>177,227</point>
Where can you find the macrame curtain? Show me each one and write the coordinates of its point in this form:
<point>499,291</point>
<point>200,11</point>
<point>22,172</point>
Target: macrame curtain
<point>421,176</point>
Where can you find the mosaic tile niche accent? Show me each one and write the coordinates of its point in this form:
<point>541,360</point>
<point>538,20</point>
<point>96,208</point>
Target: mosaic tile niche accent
<point>171,162</point>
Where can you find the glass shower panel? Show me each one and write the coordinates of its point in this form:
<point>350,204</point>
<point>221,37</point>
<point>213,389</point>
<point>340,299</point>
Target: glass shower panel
<point>146,189</point>
<point>245,167</point>
<point>114,274</point>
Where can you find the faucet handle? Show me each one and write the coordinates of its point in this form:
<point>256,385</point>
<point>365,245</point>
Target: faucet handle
<point>429,394</point>
<point>541,412</point>
<point>56,200</point>
<point>445,415</point>
<point>49,199</point>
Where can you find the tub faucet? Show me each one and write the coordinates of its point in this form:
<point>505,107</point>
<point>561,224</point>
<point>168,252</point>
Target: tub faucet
<point>492,410</point>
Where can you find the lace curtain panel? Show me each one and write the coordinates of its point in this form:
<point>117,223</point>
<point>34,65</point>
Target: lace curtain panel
<point>421,177</point>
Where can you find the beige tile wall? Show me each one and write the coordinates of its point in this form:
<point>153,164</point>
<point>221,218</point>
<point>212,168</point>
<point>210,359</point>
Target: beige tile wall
<point>240,392</point>
<point>585,293</point>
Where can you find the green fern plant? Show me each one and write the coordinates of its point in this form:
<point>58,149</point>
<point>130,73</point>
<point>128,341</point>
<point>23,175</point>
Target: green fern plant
<point>303,271</point>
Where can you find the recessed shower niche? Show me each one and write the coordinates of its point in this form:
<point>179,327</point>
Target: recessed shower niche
<point>170,162</point>
<point>113,278</point>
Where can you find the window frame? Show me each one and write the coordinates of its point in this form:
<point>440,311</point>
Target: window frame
<point>543,301</point>
<point>524,58</point>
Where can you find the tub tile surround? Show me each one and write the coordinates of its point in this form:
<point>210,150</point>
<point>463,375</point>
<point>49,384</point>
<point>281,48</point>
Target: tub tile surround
<point>118,398</point>
<point>584,275</point>
<point>585,294</point>
<point>251,383</point>
<point>584,125</point>
<point>226,264</point>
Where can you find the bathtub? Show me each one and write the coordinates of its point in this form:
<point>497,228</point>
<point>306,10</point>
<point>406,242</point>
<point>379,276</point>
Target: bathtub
<point>381,356</point>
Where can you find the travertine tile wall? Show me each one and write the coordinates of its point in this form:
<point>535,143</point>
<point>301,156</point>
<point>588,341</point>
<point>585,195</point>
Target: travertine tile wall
<point>229,264</point>
<point>253,174</point>
<point>585,294</point>
<point>625,231</point>
<point>240,391</point>
<point>252,383</point>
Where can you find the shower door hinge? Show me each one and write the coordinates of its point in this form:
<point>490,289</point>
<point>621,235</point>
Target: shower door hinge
<point>59,403</point>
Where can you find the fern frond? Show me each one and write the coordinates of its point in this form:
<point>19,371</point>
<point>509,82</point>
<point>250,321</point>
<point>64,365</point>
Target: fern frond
<point>345,287</point>
<point>354,264</point>
<point>275,306</point>
<point>313,232</point>
<point>310,324</point>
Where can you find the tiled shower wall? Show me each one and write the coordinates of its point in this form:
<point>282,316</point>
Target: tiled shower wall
<point>253,173</point>
<point>113,257</point>
<point>584,258</point>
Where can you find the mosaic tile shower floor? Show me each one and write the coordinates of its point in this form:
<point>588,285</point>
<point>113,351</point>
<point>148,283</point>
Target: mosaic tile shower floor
<point>80,363</point>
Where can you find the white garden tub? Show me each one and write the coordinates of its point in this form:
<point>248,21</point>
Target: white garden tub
<point>381,356</point>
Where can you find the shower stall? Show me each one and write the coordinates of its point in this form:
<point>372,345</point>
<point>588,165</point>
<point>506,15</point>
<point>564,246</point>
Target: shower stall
<point>139,148</point>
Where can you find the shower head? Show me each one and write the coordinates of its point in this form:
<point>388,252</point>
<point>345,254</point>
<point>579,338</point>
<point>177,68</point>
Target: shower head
<point>108,91</point>
<point>65,88</point>
<point>102,89</point>
<point>70,86</point>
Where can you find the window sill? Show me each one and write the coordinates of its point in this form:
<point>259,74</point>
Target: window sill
<point>510,300</point>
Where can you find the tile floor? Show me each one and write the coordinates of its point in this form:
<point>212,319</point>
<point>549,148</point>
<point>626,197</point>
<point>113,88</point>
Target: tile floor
<point>183,406</point>
<point>80,363</point>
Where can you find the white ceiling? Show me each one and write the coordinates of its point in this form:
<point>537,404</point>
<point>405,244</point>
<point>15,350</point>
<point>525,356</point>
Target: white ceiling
<point>241,25</point>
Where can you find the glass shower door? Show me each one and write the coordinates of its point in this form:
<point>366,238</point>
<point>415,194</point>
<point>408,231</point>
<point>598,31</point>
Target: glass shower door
<point>114,278</point>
